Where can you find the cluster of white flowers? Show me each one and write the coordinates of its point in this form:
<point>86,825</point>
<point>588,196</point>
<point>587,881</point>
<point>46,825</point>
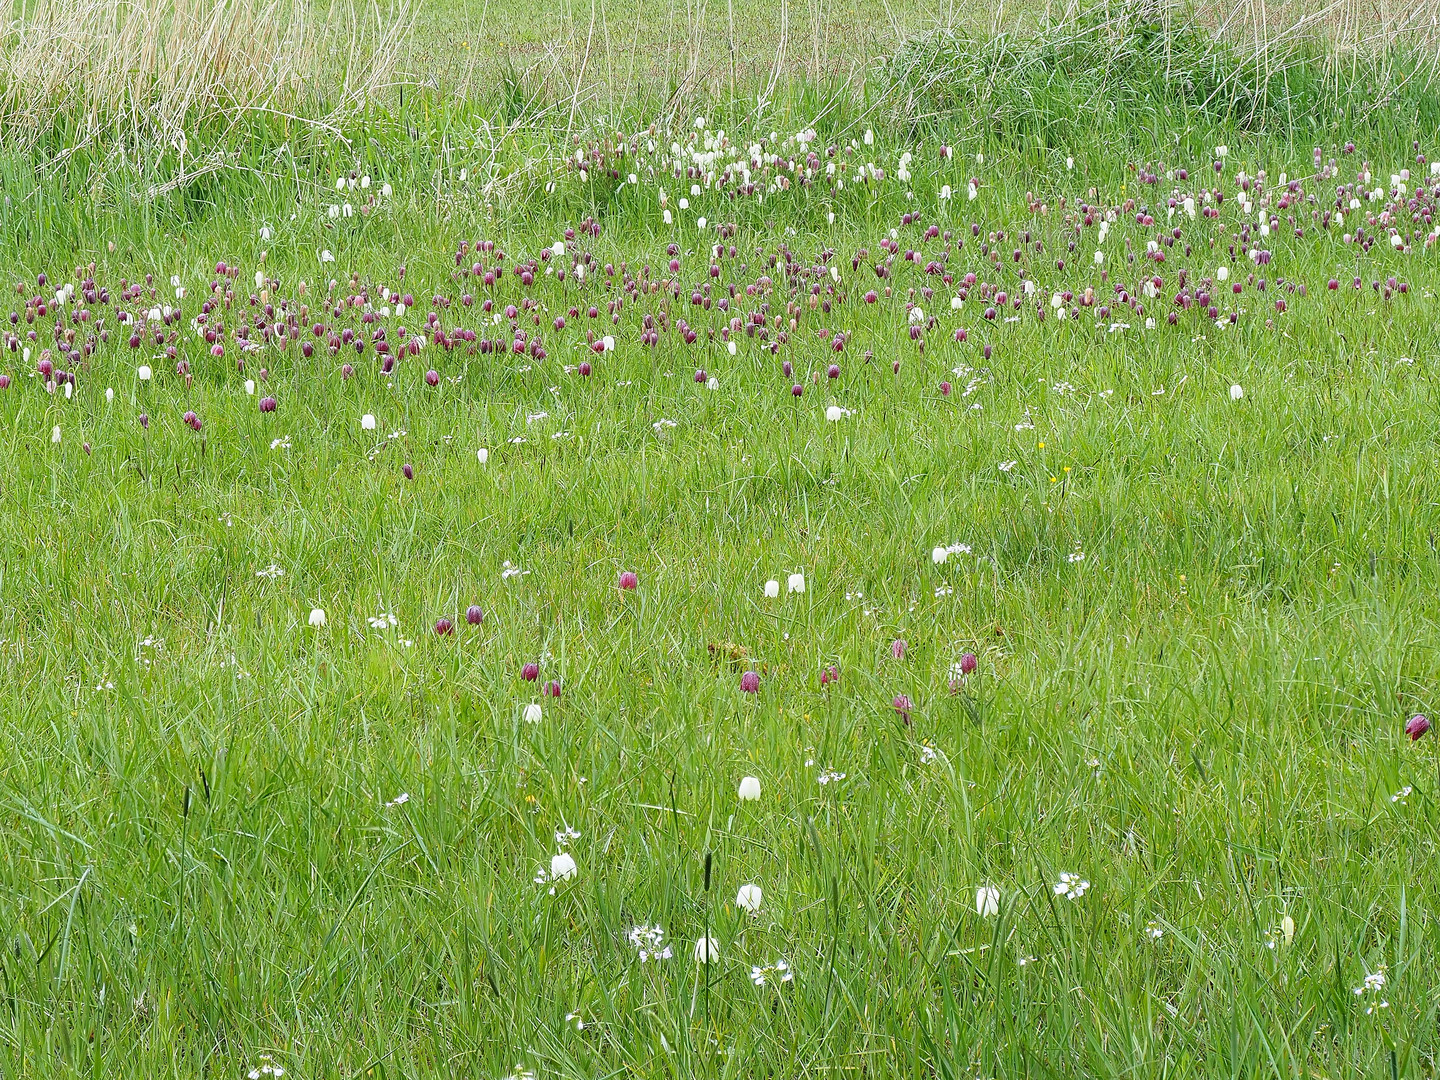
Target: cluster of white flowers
<point>795,583</point>
<point>1373,986</point>
<point>779,971</point>
<point>940,554</point>
<point>649,942</point>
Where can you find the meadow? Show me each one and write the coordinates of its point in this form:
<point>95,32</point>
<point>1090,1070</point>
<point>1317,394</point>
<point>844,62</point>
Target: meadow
<point>914,559</point>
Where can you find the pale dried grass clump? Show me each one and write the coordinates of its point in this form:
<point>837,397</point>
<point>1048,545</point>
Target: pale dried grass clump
<point>148,72</point>
<point>1365,26</point>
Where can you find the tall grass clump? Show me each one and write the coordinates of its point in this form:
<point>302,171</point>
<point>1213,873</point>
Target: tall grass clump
<point>1150,68</point>
<point>142,78</point>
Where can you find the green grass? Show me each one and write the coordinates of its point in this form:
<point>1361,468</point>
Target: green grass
<point>203,864</point>
<point>1141,76</point>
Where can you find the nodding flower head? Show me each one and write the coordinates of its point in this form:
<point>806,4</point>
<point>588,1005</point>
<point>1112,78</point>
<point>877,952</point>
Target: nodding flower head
<point>750,682</point>
<point>530,672</point>
<point>903,705</point>
<point>268,404</point>
<point>552,688</point>
<point>1417,726</point>
<point>473,615</point>
<point>444,626</point>
<point>629,580</point>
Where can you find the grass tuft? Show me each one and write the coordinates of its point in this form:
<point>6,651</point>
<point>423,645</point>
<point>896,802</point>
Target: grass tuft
<point>1145,69</point>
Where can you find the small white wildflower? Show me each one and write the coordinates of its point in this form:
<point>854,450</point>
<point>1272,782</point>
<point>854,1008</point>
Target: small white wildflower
<point>761,974</point>
<point>987,901</point>
<point>748,898</point>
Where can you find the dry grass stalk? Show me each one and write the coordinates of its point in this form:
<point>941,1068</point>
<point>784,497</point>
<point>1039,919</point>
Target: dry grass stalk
<point>152,70</point>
